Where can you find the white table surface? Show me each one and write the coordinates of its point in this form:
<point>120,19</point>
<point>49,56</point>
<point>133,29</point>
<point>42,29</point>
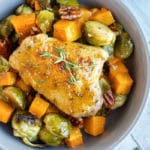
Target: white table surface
<point>140,135</point>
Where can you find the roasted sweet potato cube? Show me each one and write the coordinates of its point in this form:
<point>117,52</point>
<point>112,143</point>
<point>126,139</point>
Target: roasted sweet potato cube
<point>104,16</point>
<point>122,83</point>
<point>67,30</point>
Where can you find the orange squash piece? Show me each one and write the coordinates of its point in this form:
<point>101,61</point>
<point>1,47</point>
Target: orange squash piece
<point>21,84</point>
<point>75,138</point>
<point>7,78</point>
<point>38,107</point>
<point>23,24</point>
<point>94,125</point>
<point>122,83</point>
<point>68,31</point>
<point>37,5</point>
<point>5,111</point>
<point>104,16</point>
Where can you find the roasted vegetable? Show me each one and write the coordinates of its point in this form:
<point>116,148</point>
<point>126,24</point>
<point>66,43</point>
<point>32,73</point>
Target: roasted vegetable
<point>45,4</point>
<point>104,16</point>
<point>109,49</point>
<point>98,34</point>
<point>122,83</point>
<point>6,27</point>
<point>48,138</point>
<point>120,99</point>
<point>26,126</point>
<point>23,24</point>
<point>104,84</point>
<point>94,125</point>
<point>57,125</point>
<point>4,65</point>
<point>75,138</point>
<point>117,28</point>
<point>37,5</point>
<point>123,46</point>
<point>7,78</point>
<point>16,97</point>
<point>23,9</point>
<point>73,3</point>
<point>67,30</point>
<point>5,111</point>
<point>35,109</point>
<point>44,20</point>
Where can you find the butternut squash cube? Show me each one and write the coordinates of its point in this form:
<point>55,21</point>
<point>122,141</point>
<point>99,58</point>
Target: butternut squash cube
<point>37,5</point>
<point>38,107</point>
<point>122,83</point>
<point>21,84</point>
<point>75,138</point>
<point>104,16</point>
<point>7,78</point>
<point>5,111</point>
<point>94,125</point>
<point>68,31</point>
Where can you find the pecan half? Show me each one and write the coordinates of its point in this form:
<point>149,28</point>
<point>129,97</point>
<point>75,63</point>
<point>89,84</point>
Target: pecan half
<point>70,13</point>
<point>78,122</point>
<point>109,100</point>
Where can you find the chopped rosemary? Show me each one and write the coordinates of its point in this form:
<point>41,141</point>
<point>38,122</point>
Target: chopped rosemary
<point>45,54</point>
<point>72,80</point>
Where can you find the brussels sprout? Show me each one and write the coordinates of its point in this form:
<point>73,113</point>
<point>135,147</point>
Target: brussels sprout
<point>98,34</point>
<point>45,4</point>
<point>120,99</point>
<point>123,46</point>
<point>48,138</point>
<point>16,97</point>
<point>6,27</point>
<point>4,65</point>
<point>14,38</point>
<point>44,20</point>
<point>73,3</point>
<point>57,125</point>
<point>23,9</point>
<point>117,27</point>
<point>104,84</point>
<point>103,112</point>
<point>26,126</point>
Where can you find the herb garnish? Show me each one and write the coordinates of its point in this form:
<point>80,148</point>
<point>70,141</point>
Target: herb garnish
<point>45,54</point>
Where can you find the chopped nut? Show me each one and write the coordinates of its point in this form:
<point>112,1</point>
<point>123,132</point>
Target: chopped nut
<point>109,100</point>
<point>70,13</point>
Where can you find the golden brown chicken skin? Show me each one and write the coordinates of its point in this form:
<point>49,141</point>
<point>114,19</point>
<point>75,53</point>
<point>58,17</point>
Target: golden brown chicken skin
<point>66,74</point>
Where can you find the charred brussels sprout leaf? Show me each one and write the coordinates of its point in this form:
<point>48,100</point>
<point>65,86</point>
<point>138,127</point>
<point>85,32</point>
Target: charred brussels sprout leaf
<point>24,9</point>
<point>57,125</point>
<point>6,27</point>
<point>98,34</point>
<point>16,97</point>
<point>117,27</point>
<point>45,4</point>
<point>44,20</point>
<point>73,3</point>
<point>123,46</point>
<point>48,138</point>
<point>4,65</point>
<point>26,126</point>
<point>120,99</point>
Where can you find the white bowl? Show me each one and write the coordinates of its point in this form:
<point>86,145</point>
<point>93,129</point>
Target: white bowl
<point>121,121</point>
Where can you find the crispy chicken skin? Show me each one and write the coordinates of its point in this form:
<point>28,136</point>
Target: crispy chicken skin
<point>76,92</point>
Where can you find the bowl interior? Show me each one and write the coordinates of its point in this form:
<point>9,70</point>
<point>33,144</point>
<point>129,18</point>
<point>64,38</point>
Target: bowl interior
<point>122,120</point>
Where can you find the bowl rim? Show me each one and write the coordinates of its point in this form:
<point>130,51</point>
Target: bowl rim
<point>147,91</point>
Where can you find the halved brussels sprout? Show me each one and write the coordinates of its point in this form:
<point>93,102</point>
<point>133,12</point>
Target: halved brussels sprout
<point>104,84</point>
<point>120,99</point>
<point>98,34</point>
<point>26,126</point>
<point>4,64</point>
<point>49,139</point>
<point>23,9</point>
<point>57,125</point>
<point>6,27</point>
<point>123,46</point>
<point>16,97</point>
<point>44,20</point>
